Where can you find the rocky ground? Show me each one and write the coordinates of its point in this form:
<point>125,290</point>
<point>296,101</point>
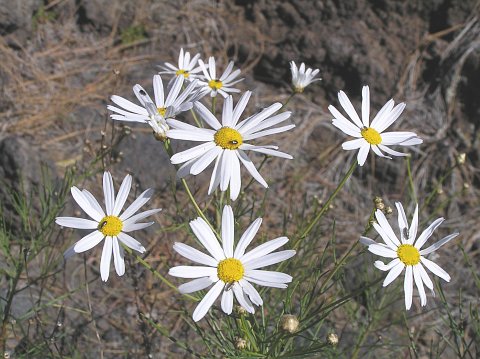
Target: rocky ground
<point>62,59</point>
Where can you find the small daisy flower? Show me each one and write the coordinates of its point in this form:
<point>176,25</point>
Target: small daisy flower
<point>222,84</point>
<point>187,67</point>
<point>302,78</point>
<point>229,269</point>
<point>157,113</point>
<point>371,135</point>
<point>226,143</point>
<point>407,253</point>
<point>109,225</point>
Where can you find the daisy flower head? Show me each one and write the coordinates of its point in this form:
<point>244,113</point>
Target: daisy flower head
<point>407,253</point>
<point>109,226</point>
<point>302,78</point>
<point>226,143</point>
<point>223,84</point>
<point>229,268</point>
<point>187,66</point>
<point>371,134</point>
<point>157,113</point>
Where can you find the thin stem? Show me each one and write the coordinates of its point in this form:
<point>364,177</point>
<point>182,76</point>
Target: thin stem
<point>197,121</point>
<point>327,204</point>
<point>288,100</point>
<point>214,105</point>
<point>410,179</point>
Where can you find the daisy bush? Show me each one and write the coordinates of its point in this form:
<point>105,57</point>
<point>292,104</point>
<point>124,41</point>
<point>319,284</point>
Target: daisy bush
<point>243,285</point>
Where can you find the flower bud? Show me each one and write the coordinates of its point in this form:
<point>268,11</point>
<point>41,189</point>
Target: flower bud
<point>461,158</point>
<point>388,210</point>
<point>240,310</point>
<point>240,343</point>
<point>289,323</point>
<point>332,339</point>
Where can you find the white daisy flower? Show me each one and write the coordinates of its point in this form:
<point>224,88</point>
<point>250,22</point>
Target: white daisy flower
<point>222,84</point>
<point>371,135</point>
<point>302,78</point>
<point>187,67</point>
<point>230,269</point>
<point>407,253</point>
<point>226,143</point>
<point>109,225</point>
<point>157,113</point>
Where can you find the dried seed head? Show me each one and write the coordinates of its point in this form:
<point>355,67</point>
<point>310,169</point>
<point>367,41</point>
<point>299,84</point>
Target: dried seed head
<point>240,343</point>
<point>332,339</point>
<point>461,158</point>
<point>289,323</point>
<point>388,210</point>
<point>240,310</point>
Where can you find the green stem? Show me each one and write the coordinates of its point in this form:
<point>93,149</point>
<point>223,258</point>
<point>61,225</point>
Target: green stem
<point>214,105</point>
<point>288,100</point>
<point>197,121</point>
<point>326,205</point>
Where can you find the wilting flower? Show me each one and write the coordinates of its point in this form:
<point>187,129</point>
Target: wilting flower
<point>229,269</point>
<point>371,135</point>
<point>187,67</point>
<point>226,143</point>
<point>157,113</point>
<point>407,253</point>
<point>222,84</point>
<point>109,225</point>
<point>302,78</point>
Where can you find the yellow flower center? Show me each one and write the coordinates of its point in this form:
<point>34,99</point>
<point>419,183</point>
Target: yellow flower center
<point>110,226</point>
<point>230,270</point>
<point>215,84</point>
<point>371,136</point>
<point>162,111</point>
<point>228,138</point>
<point>408,254</point>
<point>182,72</point>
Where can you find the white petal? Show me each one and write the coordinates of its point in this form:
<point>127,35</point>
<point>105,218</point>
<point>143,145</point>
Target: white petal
<point>216,174</point>
<point>135,206</point>
<point>88,242</point>
<point>140,216</point>
<point>236,177</point>
<point>205,235</point>
<point>130,106</point>
<point>366,106</point>
<point>242,299</point>
<point>191,153</point>
<point>131,242</point>
<point>383,251</point>
<point>205,160</point>
<point>93,202</point>
<point>136,226</point>
<point>382,221</point>
<point>435,269</point>
<point>354,144</point>
<point>397,138</point>
<point>392,152</point>
<point>269,132</point>
<point>227,113</point>
<point>270,122</point>
<point>265,283</point>
<point>402,221</point>
<point>419,283</point>
<point>437,245</point>
<point>226,169</point>
<point>263,249</point>
<point>348,107</point>
<point>174,90</point>
<point>73,222</point>
<point>207,301</point>
<point>379,153</point>
<point>425,278</point>
<point>194,255</point>
<point>199,135</point>
<point>268,276</point>
<point>84,203</point>
<point>240,107</point>
<point>393,274</point>
<point>106,258</point>
<point>269,259</point>
<point>362,154</point>
<point>247,238</point>
<point>428,232</point>
<point>390,118</point>
<point>192,271</point>
<point>158,91</point>
<point>118,260</point>
<point>227,301</point>
<point>195,285</point>
<point>408,287</point>
<point>385,110</point>
<point>385,237</point>
<point>251,122</point>
<point>251,167</point>
<point>122,195</point>
<point>346,127</point>
<point>108,192</point>
<point>251,292</point>
<point>266,151</point>
<point>228,230</point>
<point>207,116</point>
<point>338,116</point>
<point>386,267</point>
<point>412,234</point>
<point>366,241</point>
